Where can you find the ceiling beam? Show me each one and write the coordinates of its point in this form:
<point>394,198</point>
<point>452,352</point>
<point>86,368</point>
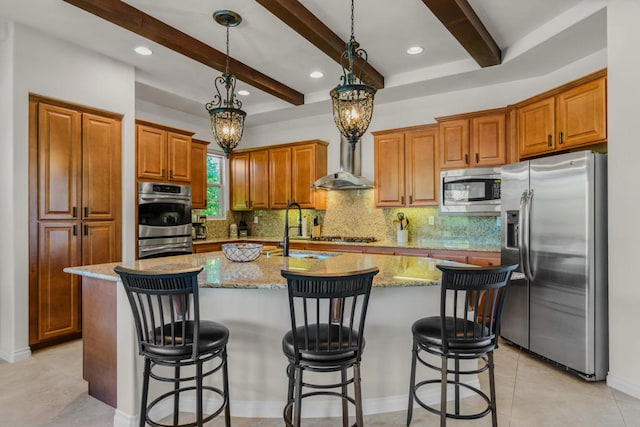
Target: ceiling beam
<point>305,23</point>
<point>132,19</point>
<point>461,21</point>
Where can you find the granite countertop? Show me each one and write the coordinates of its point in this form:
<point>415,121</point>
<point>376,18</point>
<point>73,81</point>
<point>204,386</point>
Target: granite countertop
<point>395,271</point>
<point>454,244</point>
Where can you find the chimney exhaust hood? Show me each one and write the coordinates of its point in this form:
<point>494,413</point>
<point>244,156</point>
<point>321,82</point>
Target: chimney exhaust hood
<point>348,178</point>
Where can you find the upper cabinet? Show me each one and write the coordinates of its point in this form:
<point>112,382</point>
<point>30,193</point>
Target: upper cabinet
<point>249,173</point>
<point>163,153</point>
<point>405,169</point>
<point>199,174</point>
<point>271,177</point>
<point>574,115</point>
<point>473,140</point>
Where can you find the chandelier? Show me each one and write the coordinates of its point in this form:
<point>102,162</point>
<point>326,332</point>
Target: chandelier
<point>352,100</point>
<point>227,118</point>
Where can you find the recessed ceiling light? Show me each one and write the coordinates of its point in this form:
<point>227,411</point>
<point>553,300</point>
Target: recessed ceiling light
<point>414,50</point>
<point>142,50</point>
<point>243,92</point>
<point>316,75</point>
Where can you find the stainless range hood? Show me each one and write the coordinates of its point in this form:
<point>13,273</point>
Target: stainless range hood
<point>348,178</point>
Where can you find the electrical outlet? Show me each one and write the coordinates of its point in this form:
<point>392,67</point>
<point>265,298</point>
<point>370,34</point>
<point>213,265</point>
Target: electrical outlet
<point>255,219</point>
<point>431,220</point>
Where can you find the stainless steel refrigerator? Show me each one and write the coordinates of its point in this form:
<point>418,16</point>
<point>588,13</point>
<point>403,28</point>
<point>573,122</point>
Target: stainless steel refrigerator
<point>554,224</point>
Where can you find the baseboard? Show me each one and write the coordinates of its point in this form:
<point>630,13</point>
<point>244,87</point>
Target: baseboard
<point>311,408</point>
<point>15,356</point>
<point>623,385</point>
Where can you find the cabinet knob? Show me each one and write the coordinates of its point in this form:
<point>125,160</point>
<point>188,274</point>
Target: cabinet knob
<point>74,212</point>
<point>560,138</point>
<point>466,159</point>
<point>411,199</point>
<point>86,211</point>
<point>402,200</point>
<point>477,158</point>
<point>75,230</point>
<point>86,230</point>
<point>549,140</point>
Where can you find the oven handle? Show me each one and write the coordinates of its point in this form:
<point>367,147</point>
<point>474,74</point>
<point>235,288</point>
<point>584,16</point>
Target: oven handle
<point>163,247</point>
<point>160,197</point>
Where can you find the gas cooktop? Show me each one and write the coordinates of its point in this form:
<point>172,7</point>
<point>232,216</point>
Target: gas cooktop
<point>349,239</point>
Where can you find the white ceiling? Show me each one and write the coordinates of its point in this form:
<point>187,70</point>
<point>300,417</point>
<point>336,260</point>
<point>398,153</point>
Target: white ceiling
<point>536,37</point>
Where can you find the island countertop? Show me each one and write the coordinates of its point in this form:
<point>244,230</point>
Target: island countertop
<point>219,272</point>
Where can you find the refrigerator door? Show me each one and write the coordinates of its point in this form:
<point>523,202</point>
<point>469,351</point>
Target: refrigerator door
<point>561,250</point>
<point>515,314</point>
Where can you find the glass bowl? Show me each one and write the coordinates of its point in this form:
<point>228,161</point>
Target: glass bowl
<point>242,252</point>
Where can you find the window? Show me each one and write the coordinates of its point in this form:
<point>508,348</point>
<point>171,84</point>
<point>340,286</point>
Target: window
<point>215,185</point>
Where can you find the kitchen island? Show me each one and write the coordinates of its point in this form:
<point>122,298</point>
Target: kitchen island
<point>251,300</point>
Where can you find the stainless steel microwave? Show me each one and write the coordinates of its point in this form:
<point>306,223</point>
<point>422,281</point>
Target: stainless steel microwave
<point>470,191</point>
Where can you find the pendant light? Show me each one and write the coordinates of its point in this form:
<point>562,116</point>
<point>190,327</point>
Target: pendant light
<point>227,118</point>
<point>352,100</point>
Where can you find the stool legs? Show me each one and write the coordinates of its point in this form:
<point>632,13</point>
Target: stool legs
<point>345,404</point>
<point>492,388</point>
<point>412,380</point>
<point>225,382</point>
<point>145,392</point>
<point>358,395</point>
<point>176,396</point>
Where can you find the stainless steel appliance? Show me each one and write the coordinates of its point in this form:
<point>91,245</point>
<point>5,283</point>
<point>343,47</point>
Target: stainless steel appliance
<point>472,190</point>
<point>554,217</point>
<point>164,219</point>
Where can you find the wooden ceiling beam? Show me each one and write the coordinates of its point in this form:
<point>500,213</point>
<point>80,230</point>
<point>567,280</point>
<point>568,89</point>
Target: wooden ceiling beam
<point>305,23</point>
<point>461,21</point>
<point>136,21</point>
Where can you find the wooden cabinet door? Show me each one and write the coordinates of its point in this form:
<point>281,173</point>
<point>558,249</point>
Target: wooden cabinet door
<point>389,173</point>
<point>100,242</point>
<point>259,179</point>
<point>280,177</point>
<point>59,157</point>
<point>488,260</point>
<point>179,157</point>
<point>58,292</point>
<point>101,167</point>
<point>449,256</point>
<point>582,115</point>
<point>239,180</point>
<point>488,144</point>
<point>303,174</point>
<point>536,127</point>
<point>421,171</point>
<point>198,174</point>
<point>151,153</point>
<point>454,144</point>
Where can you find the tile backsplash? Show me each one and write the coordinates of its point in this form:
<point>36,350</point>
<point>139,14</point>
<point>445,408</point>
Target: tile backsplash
<point>353,213</point>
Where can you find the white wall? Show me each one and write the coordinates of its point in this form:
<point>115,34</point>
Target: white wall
<point>623,37</point>
<point>46,66</point>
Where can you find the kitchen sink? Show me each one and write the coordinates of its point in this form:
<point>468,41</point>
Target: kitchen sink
<point>311,255</point>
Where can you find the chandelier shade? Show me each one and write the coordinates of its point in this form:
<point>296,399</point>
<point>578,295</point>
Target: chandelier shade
<point>227,117</point>
<point>352,100</point>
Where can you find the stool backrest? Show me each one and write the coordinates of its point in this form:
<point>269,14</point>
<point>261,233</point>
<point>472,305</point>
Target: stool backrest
<point>328,308</point>
<point>165,308</point>
<point>474,295</point>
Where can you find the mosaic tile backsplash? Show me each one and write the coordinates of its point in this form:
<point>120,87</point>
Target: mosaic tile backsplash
<point>353,213</point>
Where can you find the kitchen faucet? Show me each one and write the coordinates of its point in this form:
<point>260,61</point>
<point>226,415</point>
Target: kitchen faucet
<point>285,241</point>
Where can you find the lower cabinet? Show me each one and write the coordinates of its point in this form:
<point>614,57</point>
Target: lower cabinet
<point>207,247</point>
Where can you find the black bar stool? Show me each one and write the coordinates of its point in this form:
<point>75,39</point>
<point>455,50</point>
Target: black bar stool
<point>170,333</point>
<point>327,335</point>
<point>460,335</point>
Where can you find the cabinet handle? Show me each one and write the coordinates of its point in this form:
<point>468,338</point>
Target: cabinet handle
<point>466,159</point>
<point>560,138</point>
<point>171,174</point>
<point>402,200</point>
<point>250,203</point>
<point>163,172</point>
<point>74,212</point>
<point>549,140</point>
<point>86,230</point>
<point>477,158</point>
<point>411,199</point>
<point>86,212</point>
<point>75,230</point>
<point>246,203</point>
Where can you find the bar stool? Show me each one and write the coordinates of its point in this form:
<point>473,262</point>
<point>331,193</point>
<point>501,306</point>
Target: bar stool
<point>459,334</point>
<point>170,334</point>
<point>327,335</point>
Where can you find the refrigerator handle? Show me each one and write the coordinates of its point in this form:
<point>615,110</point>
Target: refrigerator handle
<point>521,231</point>
<point>526,234</point>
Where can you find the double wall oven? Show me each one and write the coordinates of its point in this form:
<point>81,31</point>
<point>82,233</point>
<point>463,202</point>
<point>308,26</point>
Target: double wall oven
<point>164,220</point>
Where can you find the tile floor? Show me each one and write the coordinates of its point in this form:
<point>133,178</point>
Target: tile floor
<point>48,390</point>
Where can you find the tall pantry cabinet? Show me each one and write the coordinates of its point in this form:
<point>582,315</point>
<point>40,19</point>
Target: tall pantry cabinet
<point>74,209</point>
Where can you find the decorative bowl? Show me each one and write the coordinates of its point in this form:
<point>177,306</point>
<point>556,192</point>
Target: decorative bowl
<point>242,252</point>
